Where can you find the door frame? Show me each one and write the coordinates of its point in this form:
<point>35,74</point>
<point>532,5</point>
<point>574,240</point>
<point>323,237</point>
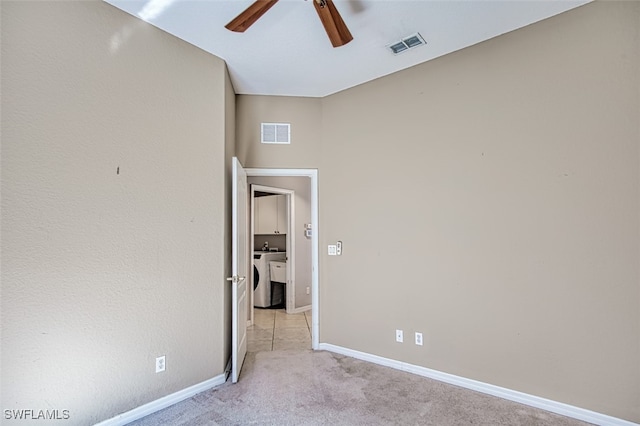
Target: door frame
<point>313,175</point>
<point>290,241</point>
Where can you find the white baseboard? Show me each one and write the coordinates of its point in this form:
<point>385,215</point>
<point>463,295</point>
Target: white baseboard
<point>164,402</point>
<point>511,395</point>
<point>300,309</point>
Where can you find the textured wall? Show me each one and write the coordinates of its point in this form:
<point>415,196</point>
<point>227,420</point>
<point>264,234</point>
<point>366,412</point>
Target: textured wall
<point>490,200</point>
<point>113,154</point>
<point>305,114</point>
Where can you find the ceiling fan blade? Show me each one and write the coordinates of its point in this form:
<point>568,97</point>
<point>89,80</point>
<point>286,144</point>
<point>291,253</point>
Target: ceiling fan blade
<point>250,15</point>
<point>335,27</point>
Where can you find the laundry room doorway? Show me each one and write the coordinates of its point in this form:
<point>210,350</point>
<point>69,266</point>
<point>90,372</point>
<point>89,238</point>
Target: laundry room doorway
<point>272,221</point>
<point>297,189</point>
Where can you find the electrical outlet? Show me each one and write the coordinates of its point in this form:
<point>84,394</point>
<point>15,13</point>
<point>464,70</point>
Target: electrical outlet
<point>160,364</point>
<point>308,290</point>
<point>332,250</point>
<point>399,336</point>
<point>418,339</point>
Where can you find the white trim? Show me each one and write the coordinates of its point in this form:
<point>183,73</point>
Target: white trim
<point>313,175</point>
<point>290,302</point>
<point>164,402</point>
<point>301,309</point>
<point>504,393</point>
<point>252,249</point>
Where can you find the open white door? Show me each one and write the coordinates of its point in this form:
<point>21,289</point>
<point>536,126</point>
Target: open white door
<point>239,265</point>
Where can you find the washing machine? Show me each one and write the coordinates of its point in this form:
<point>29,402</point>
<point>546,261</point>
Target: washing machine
<point>262,277</point>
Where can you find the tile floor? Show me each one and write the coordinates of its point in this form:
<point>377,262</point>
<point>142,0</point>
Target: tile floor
<point>274,329</point>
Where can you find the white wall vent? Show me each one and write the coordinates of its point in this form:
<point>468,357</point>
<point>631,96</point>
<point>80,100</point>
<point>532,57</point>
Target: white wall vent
<point>275,133</point>
<point>407,43</point>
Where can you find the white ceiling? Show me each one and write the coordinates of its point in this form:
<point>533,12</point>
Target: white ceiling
<point>287,52</point>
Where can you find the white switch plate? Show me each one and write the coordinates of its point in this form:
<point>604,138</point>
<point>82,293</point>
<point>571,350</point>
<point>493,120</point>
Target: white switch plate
<point>333,249</point>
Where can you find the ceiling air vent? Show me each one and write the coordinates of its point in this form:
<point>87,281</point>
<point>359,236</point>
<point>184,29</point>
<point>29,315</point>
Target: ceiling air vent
<point>276,133</point>
<point>407,43</point>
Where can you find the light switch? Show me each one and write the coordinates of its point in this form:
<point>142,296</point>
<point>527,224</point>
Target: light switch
<point>333,249</point>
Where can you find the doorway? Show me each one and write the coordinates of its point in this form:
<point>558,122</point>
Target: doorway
<point>307,230</point>
<point>273,220</point>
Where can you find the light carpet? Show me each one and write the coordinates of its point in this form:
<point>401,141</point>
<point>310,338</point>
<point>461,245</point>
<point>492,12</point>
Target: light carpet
<point>323,388</point>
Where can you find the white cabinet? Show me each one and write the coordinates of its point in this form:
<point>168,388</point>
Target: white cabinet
<point>267,215</point>
<point>270,214</point>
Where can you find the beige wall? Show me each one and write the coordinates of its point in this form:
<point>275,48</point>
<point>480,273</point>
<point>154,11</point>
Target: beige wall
<point>104,271</point>
<point>488,199</point>
<point>304,113</point>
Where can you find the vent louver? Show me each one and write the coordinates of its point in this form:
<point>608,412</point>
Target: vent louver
<point>279,133</point>
<point>407,43</point>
